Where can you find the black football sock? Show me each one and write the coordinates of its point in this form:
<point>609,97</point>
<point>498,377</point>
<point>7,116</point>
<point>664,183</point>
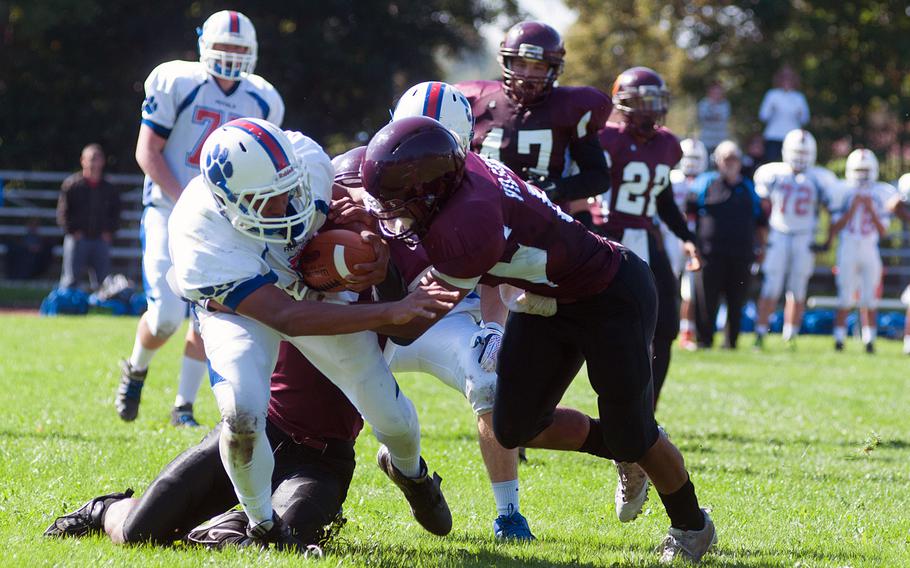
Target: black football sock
<point>682,508</point>
<point>594,443</point>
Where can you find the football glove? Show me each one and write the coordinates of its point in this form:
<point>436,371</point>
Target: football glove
<point>545,184</point>
<point>517,300</point>
<point>489,340</point>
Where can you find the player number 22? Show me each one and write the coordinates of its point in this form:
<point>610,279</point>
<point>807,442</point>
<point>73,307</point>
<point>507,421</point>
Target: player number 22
<point>632,197</point>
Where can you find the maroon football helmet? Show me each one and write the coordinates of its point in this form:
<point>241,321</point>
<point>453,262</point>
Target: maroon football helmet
<point>410,168</point>
<point>641,95</point>
<point>535,41</point>
<point>347,167</point>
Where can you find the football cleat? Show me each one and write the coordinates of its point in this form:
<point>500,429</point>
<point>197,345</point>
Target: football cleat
<point>227,529</point>
<point>631,491</point>
<point>513,527</point>
<point>130,391</point>
<point>688,545</point>
<point>687,341</point>
<point>274,531</point>
<point>424,494</point>
<point>838,345</point>
<point>87,519</point>
<point>759,342</point>
<point>183,416</point>
<point>870,348</point>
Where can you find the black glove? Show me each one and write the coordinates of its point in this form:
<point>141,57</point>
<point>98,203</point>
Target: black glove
<point>819,247</point>
<point>545,184</point>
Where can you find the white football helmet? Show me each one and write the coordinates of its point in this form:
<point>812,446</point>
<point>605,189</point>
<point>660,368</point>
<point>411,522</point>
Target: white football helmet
<point>443,102</point>
<point>245,163</point>
<point>903,186</point>
<point>694,157</point>
<point>862,167</point>
<point>799,150</point>
<point>230,28</point>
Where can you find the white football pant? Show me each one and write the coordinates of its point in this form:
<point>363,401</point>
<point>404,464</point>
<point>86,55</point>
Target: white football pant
<point>859,268</point>
<point>166,309</point>
<point>788,261</point>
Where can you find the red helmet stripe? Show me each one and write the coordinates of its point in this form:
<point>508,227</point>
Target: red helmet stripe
<point>432,104</point>
<point>235,22</point>
<point>268,142</point>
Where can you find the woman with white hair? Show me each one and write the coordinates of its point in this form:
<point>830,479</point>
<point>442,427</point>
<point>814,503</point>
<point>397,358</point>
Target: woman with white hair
<point>730,230</point>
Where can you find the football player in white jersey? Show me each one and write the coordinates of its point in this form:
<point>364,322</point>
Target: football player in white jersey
<point>902,210</point>
<point>862,217</point>
<point>232,235</point>
<point>185,102</point>
<point>794,190</point>
<point>693,163</point>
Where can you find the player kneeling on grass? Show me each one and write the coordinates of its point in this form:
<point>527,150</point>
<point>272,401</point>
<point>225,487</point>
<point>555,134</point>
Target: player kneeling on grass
<point>262,195</point>
<point>479,223</point>
<point>311,427</point>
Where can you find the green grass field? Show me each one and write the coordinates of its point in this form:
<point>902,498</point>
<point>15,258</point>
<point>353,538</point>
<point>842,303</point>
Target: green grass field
<point>803,459</point>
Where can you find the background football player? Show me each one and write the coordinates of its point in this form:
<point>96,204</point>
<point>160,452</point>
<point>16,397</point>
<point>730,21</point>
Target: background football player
<point>793,191</point>
<point>861,219</point>
<point>693,163</point>
<point>640,153</point>
<point>541,131</point>
<point>185,102</point>
<point>902,210</point>
<point>233,234</point>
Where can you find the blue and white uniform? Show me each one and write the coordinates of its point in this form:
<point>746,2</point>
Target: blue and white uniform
<point>184,104</point>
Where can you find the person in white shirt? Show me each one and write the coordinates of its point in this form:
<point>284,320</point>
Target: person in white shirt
<point>782,109</point>
<point>185,101</point>
<point>902,210</point>
<point>713,116</point>
<point>862,218</point>
<point>793,191</point>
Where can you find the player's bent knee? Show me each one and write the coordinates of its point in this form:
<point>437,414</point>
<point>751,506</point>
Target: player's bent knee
<point>243,423</point>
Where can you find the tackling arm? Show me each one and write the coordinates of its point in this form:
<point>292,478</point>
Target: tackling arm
<point>593,177</point>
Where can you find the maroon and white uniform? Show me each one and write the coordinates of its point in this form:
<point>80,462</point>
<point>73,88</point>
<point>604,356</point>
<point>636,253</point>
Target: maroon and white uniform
<point>496,229</point>
<point>639,172</point>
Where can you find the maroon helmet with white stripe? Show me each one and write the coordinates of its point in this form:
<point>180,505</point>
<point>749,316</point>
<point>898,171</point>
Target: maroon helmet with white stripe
<point>534,41</point>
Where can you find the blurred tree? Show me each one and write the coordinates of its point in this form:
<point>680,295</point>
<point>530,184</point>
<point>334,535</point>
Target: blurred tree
<point>850,55</point>
<point>72,72</point>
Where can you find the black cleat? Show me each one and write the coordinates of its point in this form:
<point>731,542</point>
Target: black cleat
<point>838,345</point>
<point>232,529</point>
<point>274,532</point>
<point>870,348</point>
<point>424,495</point>
<point>87,519</point>
<point>183,416</point>
<point>130,391</point>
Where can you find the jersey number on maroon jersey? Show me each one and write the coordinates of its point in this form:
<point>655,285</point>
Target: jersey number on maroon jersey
<point>525,142</point>
<point>633,196</point>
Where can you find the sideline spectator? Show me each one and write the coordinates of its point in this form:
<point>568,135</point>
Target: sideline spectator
<point>89,212</point>
<point>783,109</point>
<point>754,156</point>
<point>713,116</point>
<point>27,256</point>
<point>729,222</point>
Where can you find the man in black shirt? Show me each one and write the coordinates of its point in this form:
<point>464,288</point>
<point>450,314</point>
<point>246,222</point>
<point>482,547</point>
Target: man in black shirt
<point>88,211</point>
<point>730,222</point>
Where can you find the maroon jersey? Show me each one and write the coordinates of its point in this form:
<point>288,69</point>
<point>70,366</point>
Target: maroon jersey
<point>535,139</point>
<point>639,172</point>
<point>496,229</point>
<point>306,405</point>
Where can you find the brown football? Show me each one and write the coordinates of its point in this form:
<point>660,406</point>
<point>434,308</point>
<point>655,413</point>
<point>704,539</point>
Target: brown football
<point>328,259</point>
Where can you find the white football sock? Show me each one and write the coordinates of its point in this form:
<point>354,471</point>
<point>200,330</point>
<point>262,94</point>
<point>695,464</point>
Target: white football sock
<point>685,325</point>
<point>505,493</point>
<point>250,470</point>
<point>840,334</point>
<point>409,466</point>
<point>869,333</point>
<point>191,373</point>
<point>788,331</point>
<point>141,356</point>
<point>907,344</point>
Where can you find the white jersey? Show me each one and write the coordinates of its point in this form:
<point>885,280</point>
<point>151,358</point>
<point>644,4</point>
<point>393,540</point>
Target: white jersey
<point>860,231</point>
<point>184,104</point>
<point>682,187</point>
<point>215,261</point>
<point>795,197</point>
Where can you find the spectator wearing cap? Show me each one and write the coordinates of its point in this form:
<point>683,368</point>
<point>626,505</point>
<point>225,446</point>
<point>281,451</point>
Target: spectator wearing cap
<point>784,108</point>
<point>88,211</point>
<point>730,232</point>
<point>713,116</point>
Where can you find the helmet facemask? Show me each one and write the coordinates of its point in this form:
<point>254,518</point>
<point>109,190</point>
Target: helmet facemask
<point>524,88</point>
<point>228,46</point>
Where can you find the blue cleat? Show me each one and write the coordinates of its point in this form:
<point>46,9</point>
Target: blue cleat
<point>512,527</point>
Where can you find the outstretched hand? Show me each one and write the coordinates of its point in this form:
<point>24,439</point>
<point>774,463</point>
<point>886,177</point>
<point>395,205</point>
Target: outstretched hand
<point>424,302</point>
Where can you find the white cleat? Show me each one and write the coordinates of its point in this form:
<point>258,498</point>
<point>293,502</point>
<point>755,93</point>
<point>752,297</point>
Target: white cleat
<point>631,491</point>
<point>688,545</point>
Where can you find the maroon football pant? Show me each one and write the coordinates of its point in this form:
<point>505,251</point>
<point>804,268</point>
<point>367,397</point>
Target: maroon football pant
<point>610,331</point>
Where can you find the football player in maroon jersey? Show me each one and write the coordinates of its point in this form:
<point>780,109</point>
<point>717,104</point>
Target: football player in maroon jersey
<point>541,131</point>
<point>584,299</point>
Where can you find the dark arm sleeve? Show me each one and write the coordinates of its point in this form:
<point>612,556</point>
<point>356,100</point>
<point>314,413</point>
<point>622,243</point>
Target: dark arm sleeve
<point>63,208</point>
<point>671,216</point>
<point>593,177</point>
<point>112,219</point>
